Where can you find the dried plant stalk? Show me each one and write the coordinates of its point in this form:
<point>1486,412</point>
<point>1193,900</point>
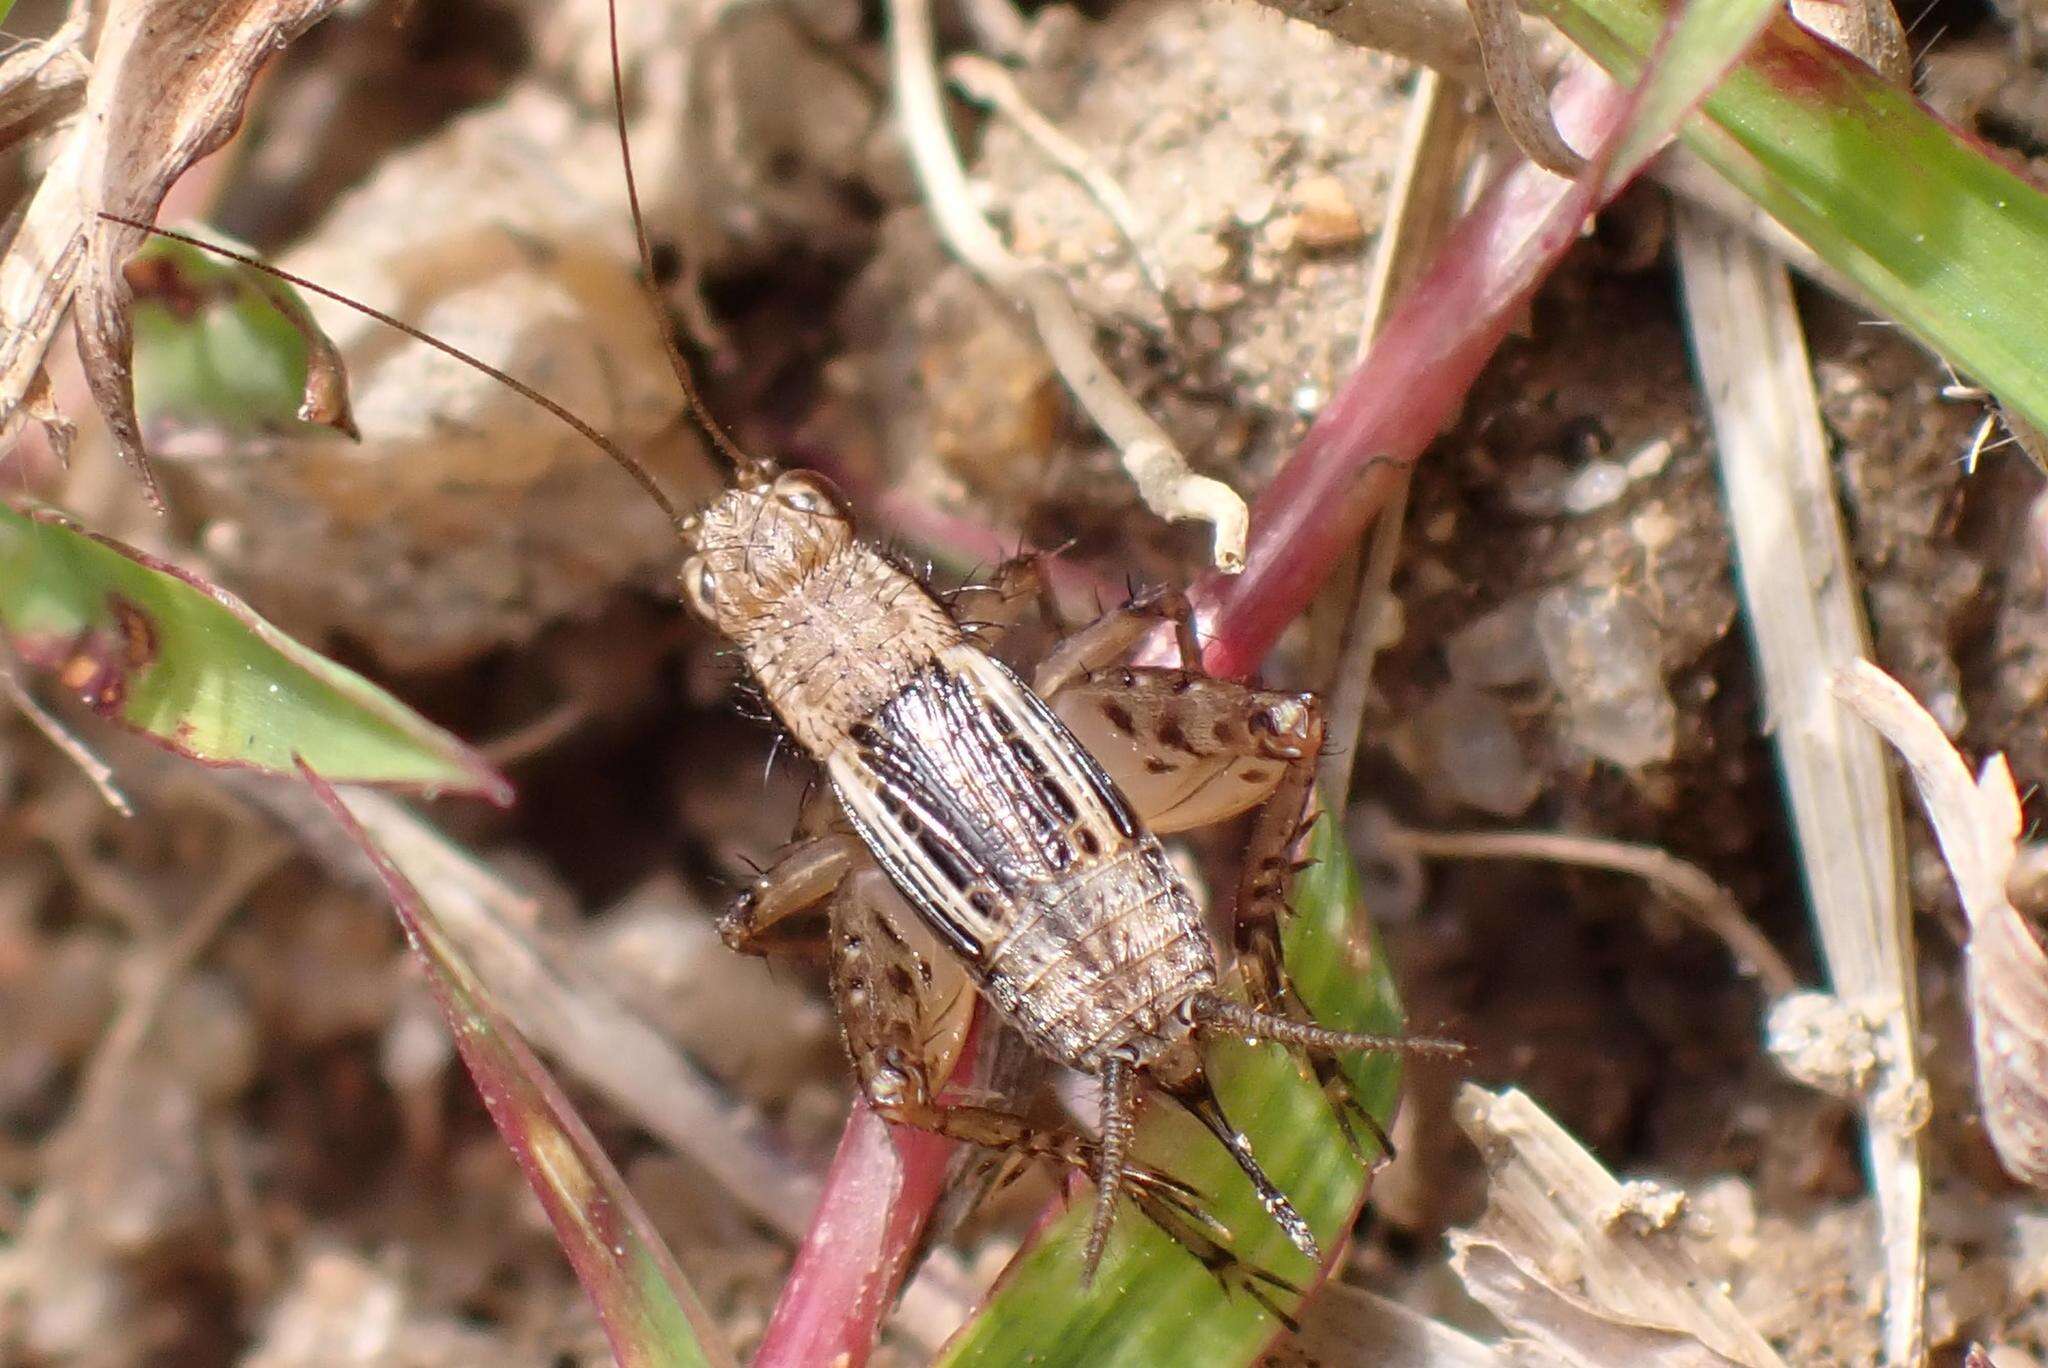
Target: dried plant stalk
<point>1799,596</point>
<point>1568,1257</point>
<point>1420,207</point>
<point>576,1022</point>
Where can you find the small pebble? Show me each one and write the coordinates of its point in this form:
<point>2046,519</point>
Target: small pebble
<point>1324,216</point>
<point>1595,485</point>
<point>1603,657</point>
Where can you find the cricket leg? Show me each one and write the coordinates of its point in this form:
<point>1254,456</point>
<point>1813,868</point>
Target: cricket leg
<point>802,875</point>
<point>1110,638</point>
<point>991,611</point>
<point>1190,750</point>
<point>898,1005</point>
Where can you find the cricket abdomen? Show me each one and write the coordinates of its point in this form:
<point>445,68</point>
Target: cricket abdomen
<point>1006,836</point>
<point>1101,963</point>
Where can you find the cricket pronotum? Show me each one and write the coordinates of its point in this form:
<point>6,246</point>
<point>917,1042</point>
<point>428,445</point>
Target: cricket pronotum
<point>1012,830</point>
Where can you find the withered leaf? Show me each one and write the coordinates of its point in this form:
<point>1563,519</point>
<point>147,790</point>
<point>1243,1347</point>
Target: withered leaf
<point>169,81</point>
<point>237,346</point>
<point>1573,1260</point>
<point>1977,822</point>
<point>38,406</point>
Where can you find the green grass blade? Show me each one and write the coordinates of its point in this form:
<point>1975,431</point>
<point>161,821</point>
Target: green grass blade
<point>1151,1302</point>
<point>1926,220</point>
<point>222,345</point>
<point>649,1313</point>
<point>160,651</point>
<point>1708,36</point>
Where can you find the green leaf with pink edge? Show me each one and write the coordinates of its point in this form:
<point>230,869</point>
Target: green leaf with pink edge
<point>1706,39</point>
<point>1151,1302</point>
<point>160,651</point>
<point>649,1314</point>
<point>222,345</point>
<point>1936,228</point>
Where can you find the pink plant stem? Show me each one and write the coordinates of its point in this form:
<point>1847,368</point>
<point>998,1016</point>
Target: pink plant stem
<point>1407,390</point>
<point>881,1189</point>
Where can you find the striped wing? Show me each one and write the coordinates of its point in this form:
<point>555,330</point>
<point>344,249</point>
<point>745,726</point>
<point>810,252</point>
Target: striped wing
<point>972,794</point>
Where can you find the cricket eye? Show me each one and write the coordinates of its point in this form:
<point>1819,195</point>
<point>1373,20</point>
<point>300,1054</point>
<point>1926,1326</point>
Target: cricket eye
<point>700,585</point>
<point>803,492</point>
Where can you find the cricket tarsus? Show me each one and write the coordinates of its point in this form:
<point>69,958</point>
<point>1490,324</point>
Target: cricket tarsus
<point>1199,1100</point>
<point>525,391</point>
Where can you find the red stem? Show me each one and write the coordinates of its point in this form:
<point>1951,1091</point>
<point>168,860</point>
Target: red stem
<point>1408,389</point>
<point>881,1188</point>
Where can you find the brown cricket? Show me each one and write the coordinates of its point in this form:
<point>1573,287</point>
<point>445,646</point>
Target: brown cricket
<point>1018,824</point>
<point>988,832</point>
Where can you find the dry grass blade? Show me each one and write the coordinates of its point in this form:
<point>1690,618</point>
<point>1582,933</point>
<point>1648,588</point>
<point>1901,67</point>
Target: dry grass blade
<point>1421,204</point>
<point>1344,1320</point>
<point>1570,1258</point>
<point>651,1317</point>
<point>577,1023</point>
<point>168,83</point>
<point>1799,594</point>
<point>1978,823</point>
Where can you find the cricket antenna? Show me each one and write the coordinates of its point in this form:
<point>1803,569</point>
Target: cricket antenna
<point>525,391</point>
<point>746,467</point>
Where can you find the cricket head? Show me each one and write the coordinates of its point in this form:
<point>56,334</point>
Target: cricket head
<point>758,542</point>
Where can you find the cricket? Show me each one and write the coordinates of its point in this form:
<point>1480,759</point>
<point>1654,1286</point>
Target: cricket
<point>1488,589</point>
<point>983,831</point>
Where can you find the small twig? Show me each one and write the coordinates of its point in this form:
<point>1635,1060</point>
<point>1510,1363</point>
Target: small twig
<point>1159,469</point>
<point>95,769</point>
<point>991,83</point>
<point>1690,888</point>
<point>538,734</point>
<point>1518,97</point>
